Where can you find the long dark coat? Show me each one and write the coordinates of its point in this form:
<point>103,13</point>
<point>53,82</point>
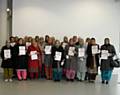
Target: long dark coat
<point>8,63</point>
<point>105,64</point>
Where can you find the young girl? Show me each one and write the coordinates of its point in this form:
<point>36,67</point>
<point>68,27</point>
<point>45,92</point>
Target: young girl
<point>48,59</point>
<point>21,60</point>
<point>58,58</point>
<point>7,64</point>
<point>70,53</point>
<point>81,60</point>
<point>35,60</point>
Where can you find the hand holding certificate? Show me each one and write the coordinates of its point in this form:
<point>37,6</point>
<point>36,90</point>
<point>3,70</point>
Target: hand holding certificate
<point>104,54</point>
<point>34,55</point>
<point>95,49</point>
<point>22,50</point>
<point>48,49</point>
<point>71,51</point>
<point>81,52</point>
<point>7,54</point>
<point>58,56</point>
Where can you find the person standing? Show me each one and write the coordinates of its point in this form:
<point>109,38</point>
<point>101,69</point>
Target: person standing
<point>34,60</point>
<point>7,63</point>
<point>107,54</point>
<point>92,60</point>
<point>81,60</point>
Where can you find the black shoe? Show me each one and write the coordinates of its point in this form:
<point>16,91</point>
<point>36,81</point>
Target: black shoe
<point>72,80</point>
<point>67,79</point>
<point>107,82</point>
<point>103,82</point>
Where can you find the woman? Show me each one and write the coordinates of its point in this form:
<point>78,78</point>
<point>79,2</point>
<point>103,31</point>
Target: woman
<point>106,69</point>
<point>70,54</point>
<point>7,64</point>
<point>48,59</point>
<point>92,60</point>
<point>35,59</point>
<point>21,60</point>
<point>58,58</point>
<point>81,60</point>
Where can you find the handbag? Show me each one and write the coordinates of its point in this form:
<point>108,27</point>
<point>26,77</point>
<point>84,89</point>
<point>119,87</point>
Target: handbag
<point>115,62</point>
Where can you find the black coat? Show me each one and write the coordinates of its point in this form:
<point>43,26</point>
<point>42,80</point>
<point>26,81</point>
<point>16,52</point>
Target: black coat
<point>6,63</point>
<point>105,64</point>
<point>90,60</point>
<point>20,61</point>
<point>55,49</point>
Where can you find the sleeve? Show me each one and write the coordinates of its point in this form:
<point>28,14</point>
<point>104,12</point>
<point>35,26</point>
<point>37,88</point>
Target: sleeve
<point>2,53</point>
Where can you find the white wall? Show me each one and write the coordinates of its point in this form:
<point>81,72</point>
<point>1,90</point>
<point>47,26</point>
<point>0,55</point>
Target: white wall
<point>93,18</point>
<point>3,22</point>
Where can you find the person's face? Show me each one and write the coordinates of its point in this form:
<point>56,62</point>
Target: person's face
<point>34,43</point>
<point>8,44</point>
<point>65,39</point>
<point>93,42</point>
<point>71,42</point>
<point>107,41</point>
<point>20,41</point>
<point>81,42</point>
<point>12,39</point>
<point>49,41</point>
<point>57,43</point>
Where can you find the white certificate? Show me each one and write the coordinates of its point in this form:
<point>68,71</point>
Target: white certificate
<point>95,49</point>
<point>104,54</point>
<point>48,49</point>
<point>7,53</point>
<point>22,50</point>
<point>34,55</point>
<point>81,52</point>
<point>12,44</point>
<point>58,56</point>
<point>71,51</point>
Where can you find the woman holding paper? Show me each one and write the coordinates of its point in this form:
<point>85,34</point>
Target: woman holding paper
<point>58,56</point>
<point>35,59</point>
<point>92,60</point>
<point>48,59</point>
<point>107,53</point>
<point>70,53</point>
<point>21,60</point>
<point>7,64</point>
<point>81,60</point>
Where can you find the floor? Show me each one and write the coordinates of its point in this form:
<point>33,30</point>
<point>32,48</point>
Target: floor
<point>47,87</point>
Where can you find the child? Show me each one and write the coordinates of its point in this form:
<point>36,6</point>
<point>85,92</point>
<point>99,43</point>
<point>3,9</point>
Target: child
<point>7,64</point>
<point>21,60</point>
<point>58,57</point>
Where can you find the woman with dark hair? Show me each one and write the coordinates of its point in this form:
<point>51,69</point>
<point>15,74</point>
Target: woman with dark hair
<point>107,54</point>
<point>92,60</point>
<point>7,63</point>
<point>21,60</point>
<point>71,60</point>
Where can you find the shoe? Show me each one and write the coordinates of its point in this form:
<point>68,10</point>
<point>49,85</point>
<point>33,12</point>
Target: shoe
<point>72,80</point>
<point>10,80</point>
<point>6,80</point>
<point>103,82</point>
<point>107,82</point>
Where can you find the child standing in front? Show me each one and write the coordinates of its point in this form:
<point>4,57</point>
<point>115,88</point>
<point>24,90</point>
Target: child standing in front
<point>7,64</point>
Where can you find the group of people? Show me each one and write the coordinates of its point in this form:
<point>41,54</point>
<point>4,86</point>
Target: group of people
<point>51,59</point>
